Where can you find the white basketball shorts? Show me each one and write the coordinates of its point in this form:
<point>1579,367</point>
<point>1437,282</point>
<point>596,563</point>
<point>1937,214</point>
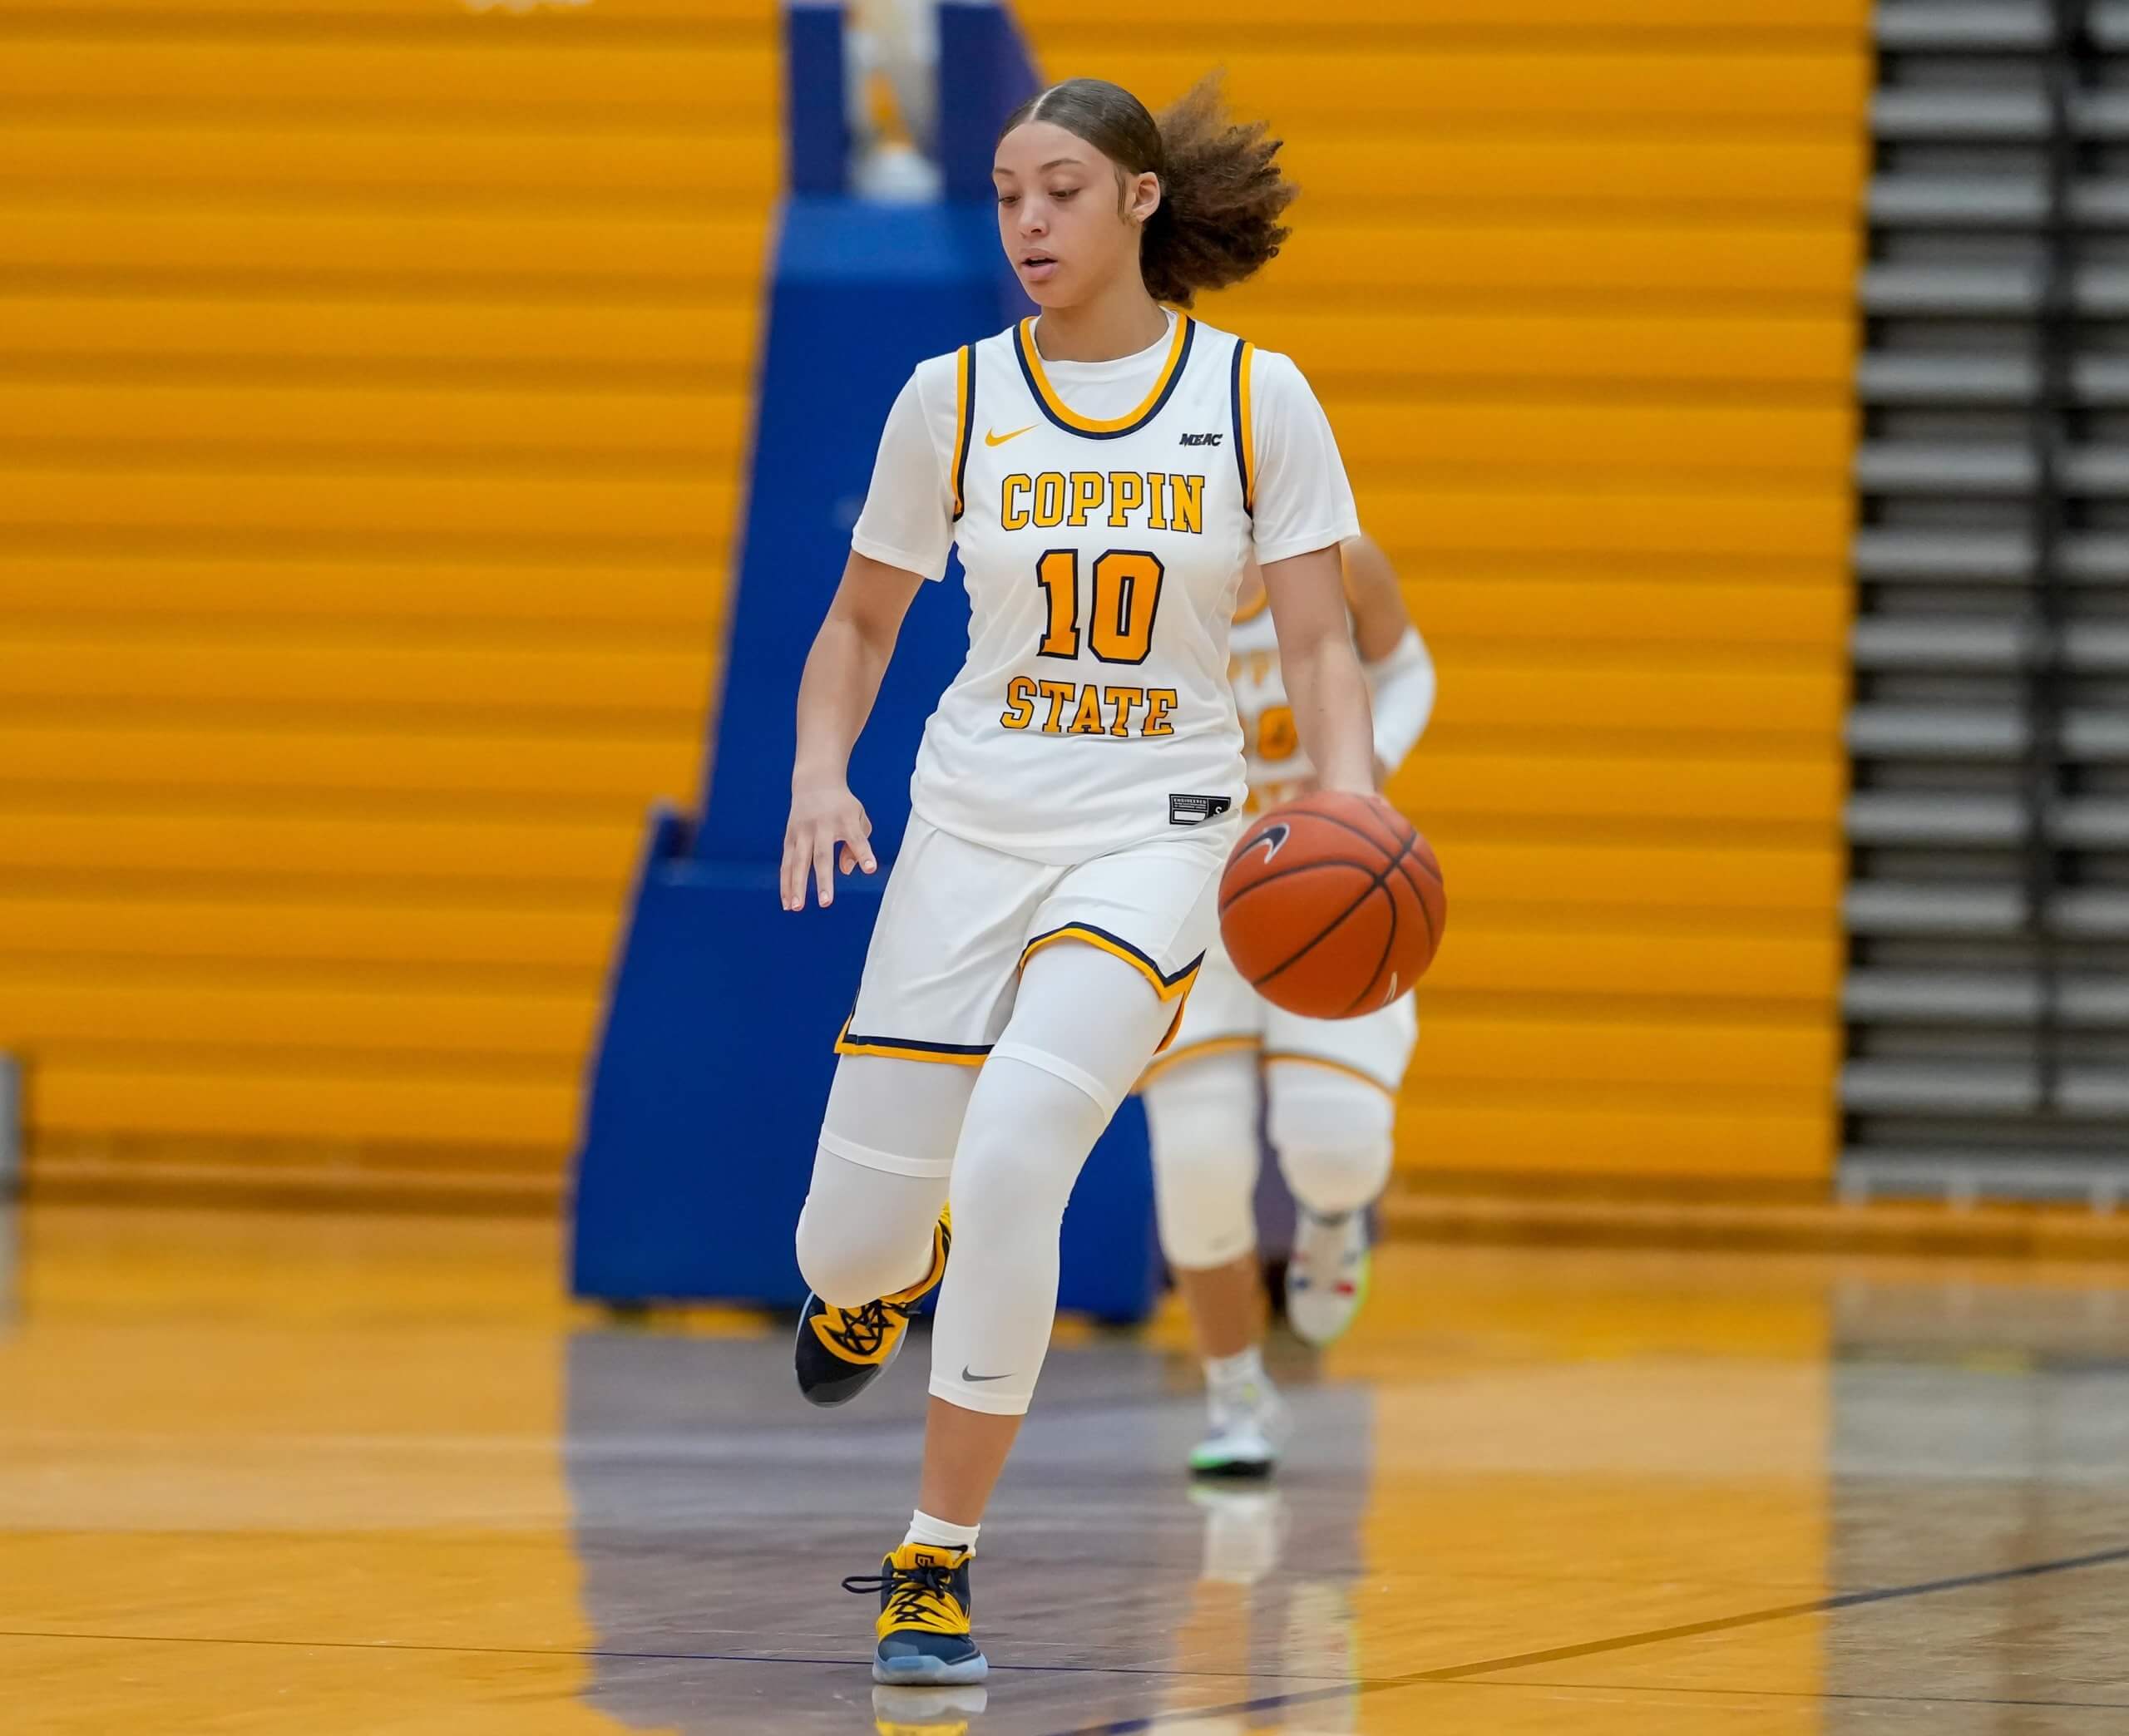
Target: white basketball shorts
<point>1225,1012</point>
<point>958,920</point>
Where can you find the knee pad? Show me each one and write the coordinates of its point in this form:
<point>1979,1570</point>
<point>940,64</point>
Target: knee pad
<point>1028,1134</point>
<point>1028,1130</point>
<point>867,1218</point>
<point>845,1264</point>
<point>853,1247</point>
<point>1332,1135</point>
<point>1202,1117</point>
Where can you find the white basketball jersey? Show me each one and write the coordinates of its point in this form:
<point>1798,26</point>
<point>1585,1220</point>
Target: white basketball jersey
<point>1102,558</point>
<point>1277,763</point>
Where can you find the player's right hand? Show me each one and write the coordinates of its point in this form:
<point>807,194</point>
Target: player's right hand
<point>827,821</point>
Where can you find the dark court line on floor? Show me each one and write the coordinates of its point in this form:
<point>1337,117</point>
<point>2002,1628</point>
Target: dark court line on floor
<point>1128,1727</point>
<point>1623,1642</point>
<point>844,1661</point>
<point>407,1645</point>
<point>1812,1694</point>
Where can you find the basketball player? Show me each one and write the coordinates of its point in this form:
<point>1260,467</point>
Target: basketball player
<point>1105,470</point>
<point>1326,1088</point>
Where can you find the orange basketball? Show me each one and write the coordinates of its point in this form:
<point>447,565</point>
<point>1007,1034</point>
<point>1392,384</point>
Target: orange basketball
<point>1332,905</point>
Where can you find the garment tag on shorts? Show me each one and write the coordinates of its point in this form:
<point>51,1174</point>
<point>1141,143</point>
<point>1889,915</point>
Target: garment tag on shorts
<point>1196,810</point>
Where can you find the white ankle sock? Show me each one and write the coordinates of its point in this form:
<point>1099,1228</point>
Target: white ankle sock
<point>1233,1373</point>
<point>939,1533</point>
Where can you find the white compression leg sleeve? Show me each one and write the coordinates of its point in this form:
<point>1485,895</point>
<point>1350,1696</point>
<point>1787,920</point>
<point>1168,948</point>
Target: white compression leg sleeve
<point>880,1176</point>
<point>1084,1026</point>
<point>1202,1115</point>
<point>1331,1133</point>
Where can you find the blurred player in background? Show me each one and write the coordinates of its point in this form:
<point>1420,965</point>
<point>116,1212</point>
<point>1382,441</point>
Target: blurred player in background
<point>1106,472</point>
<point>1325,1089</point>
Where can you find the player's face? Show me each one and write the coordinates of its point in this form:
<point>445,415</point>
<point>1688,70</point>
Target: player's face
<point>1059,219</point>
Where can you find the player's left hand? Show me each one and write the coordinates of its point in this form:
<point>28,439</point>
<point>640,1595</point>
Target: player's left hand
<point>827,823</point>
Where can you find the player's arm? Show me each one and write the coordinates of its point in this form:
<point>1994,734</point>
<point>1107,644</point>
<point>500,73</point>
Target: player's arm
<point>1400,674</point>
<point>841,680</point>
<point>1324,682</point>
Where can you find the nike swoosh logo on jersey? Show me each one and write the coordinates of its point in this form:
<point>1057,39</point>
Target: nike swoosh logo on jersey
<point>991,436</point>
<point>966,1375</point>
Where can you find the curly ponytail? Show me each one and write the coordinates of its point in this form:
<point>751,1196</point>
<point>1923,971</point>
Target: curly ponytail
<point>1221,193</point>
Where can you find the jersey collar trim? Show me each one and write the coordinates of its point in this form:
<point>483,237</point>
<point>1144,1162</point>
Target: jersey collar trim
<point>1065,418</point>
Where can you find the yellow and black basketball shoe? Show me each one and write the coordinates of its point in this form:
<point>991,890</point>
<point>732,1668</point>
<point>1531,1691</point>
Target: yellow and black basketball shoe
<point>923,1627</point>
<point>841,1351</point>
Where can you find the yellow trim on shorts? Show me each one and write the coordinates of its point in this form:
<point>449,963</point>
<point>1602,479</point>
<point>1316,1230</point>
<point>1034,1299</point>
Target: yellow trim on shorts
<point>1340,1067</point>
<point>1175,989</point>
<point>1162,1062</point>
<point>1175,1025</point>
<point>908,1048</point>
<point>1167,987</point>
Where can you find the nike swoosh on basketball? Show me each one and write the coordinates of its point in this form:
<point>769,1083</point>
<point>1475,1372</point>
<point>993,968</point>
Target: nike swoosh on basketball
<point>991,436</point>
<point>1272,840</point>
<point>966,1375</point>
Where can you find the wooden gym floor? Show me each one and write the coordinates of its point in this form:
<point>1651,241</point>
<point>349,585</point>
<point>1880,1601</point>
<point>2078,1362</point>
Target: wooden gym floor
<point>287,1472</point>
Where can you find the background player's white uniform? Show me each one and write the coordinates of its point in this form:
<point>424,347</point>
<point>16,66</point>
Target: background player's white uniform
<point>1082,776</point>
<point>1224,1013</point>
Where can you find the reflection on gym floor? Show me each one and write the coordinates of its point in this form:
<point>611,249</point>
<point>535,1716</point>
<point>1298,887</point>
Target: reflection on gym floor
<point>361,1475</point>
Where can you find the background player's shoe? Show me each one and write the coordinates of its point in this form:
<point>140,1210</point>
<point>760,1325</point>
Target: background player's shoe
<point>1249,1426</point>
<point>842,1351</point>
<point>925,1605</point>
<point>1326,1275</point>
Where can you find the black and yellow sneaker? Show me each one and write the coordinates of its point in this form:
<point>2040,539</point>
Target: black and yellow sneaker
<point>924,1617</point>
<point>842,1351</point>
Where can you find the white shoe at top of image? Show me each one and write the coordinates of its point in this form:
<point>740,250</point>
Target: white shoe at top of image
<point>1248,1427</point>
<point>1326,1275</point>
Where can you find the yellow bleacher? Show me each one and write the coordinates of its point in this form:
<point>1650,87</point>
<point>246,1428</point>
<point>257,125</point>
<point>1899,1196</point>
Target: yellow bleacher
<point>1575,279</point>
<point>374,384</point>
<point>373,388</point>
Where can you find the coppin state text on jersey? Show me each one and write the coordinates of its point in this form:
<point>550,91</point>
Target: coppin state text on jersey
<point>1103,557</point>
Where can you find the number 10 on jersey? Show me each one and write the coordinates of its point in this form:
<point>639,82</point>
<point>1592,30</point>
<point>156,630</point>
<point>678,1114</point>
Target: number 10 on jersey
<point>1127,596</point>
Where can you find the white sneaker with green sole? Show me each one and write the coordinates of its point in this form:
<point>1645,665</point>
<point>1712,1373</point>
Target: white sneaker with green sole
<point>1249,1427</point>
